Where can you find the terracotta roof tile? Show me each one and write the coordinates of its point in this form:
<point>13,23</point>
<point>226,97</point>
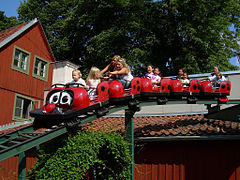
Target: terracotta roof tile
<point>19,127</point>
<point>8,32</point>
<point>194,125</point>
<point>183,125</point>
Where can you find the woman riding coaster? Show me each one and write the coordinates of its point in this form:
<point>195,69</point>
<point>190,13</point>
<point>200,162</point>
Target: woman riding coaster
<point>123,73</point>
<point>110,67</point>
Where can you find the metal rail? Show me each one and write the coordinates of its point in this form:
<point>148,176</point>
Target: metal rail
<point>23,139</point>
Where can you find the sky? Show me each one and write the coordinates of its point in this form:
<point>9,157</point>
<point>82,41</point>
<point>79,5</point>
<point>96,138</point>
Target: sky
<point>10,9</point>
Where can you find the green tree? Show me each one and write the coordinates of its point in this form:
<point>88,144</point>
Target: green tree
<point>201,30</point>
<point>194,34</point>
<point>7,22</point>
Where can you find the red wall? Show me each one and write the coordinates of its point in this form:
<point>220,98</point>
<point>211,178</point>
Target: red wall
<point>196,160</point>
<point>6,106</point>
<point>9,167</point>
<point>12,81</point>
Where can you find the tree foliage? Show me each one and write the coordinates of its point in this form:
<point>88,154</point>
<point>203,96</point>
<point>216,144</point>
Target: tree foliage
<point>190,34</point>
<point>97,155</point>
<point>7,22</point>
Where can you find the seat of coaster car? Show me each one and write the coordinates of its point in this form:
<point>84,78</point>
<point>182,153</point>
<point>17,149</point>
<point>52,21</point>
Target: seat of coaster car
<point>128,85</point>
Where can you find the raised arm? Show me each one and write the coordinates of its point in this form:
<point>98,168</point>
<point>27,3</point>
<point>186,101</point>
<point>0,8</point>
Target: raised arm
<point>105,69</point>
<point>122,71</point>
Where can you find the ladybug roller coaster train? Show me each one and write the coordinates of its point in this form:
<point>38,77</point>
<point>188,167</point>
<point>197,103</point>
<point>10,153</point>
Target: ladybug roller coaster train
<point>67,104</point>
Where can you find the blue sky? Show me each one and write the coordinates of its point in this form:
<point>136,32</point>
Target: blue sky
<point>10,9</point>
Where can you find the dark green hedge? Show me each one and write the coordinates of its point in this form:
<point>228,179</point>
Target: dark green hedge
<point>91,154</point>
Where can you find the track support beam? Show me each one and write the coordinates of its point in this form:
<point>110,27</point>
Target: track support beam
<point>129,128</point>
<point>22,166</point>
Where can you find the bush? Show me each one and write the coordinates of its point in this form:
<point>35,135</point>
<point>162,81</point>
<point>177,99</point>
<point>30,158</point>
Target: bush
<point>85,154</point>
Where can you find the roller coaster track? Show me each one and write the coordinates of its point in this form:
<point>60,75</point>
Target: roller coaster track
<point>23,139</point>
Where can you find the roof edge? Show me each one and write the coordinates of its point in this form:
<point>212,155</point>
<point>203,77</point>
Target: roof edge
<point>187,138</point>
<point>16,34</point>
<point>121,115</point>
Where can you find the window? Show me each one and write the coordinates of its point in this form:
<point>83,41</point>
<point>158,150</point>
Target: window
<point>21,60</point>
<point>22,107</point>
<point>40,69</point>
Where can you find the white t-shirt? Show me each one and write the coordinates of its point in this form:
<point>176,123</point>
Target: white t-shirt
<point>155,78</point>
<point>93,83</point>
<point>127,77</point>
<point>149,75</point>
<point>213,77</point>
<point>185,82</point>
<point>80,81</point>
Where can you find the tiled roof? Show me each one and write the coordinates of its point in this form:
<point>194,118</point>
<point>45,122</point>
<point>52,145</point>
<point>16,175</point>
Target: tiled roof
<point>18,128</point>
<point>8,32</point>
<point>186,125</point>
<point>162,126</point>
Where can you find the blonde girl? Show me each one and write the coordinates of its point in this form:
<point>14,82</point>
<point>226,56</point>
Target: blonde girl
<point>93,80</point>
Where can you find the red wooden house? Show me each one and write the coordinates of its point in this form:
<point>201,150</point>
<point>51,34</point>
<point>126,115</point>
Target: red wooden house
<point>25,70</point>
